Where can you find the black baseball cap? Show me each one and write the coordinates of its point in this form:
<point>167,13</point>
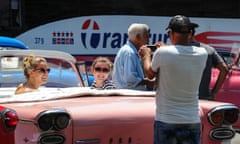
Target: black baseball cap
<point>181,24</point>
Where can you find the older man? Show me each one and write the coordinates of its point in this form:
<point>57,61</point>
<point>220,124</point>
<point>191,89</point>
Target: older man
<point>127,71</point>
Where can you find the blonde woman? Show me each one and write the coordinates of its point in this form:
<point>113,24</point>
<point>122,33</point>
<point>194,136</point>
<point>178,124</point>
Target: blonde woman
<point>101,69</point>
<point>36,73</point>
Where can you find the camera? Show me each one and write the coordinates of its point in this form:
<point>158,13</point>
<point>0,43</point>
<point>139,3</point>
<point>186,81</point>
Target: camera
<point>152,47</point>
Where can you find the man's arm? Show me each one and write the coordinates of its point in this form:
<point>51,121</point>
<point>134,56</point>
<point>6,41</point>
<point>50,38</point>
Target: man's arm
<point>146,55</point>
<point>147,67</point>
<point>223,68</point>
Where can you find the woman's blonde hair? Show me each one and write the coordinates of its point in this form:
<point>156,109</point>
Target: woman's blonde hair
<point>31,63</point>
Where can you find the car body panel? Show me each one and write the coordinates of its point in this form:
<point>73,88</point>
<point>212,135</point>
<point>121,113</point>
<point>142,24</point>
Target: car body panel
<point>91,116</point>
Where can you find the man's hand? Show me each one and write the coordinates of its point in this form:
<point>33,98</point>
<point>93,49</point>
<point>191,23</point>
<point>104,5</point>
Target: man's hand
<point>151,83</point>
<point>144,51</point>
<point>158,44</point>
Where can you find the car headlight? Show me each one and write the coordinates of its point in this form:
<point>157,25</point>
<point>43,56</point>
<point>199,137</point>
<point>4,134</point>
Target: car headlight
<point>61,121</point>
<point>9,119</point>
<point>53,120</point>
<point>223,115</point>
<point>45,122</point>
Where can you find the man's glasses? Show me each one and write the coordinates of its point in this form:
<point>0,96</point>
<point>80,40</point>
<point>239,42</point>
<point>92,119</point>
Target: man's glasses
<point>42,70</point>
<point>104,70</point>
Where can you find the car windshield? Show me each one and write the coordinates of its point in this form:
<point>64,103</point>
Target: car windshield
<point>230,57</point>
<point>61,74</point>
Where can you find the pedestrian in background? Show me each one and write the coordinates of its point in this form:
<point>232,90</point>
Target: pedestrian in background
<point>214,60</point>
<point>127,71</point>
<point>178,68</point>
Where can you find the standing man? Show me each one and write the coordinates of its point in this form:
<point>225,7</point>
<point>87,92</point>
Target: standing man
<point>127,71</point>
<point>213,60</point>
<point>178,68</point>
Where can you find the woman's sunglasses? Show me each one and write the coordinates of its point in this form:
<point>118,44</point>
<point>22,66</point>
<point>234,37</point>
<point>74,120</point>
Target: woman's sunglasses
<point>42,70</point>
<point>104,70</point>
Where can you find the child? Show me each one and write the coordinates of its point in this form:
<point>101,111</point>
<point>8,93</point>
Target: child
<point>101,69</point>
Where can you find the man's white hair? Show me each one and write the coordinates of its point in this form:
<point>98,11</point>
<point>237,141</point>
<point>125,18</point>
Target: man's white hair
<point>136,28</point>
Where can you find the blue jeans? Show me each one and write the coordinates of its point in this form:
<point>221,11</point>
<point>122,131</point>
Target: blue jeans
<point>176,133</point>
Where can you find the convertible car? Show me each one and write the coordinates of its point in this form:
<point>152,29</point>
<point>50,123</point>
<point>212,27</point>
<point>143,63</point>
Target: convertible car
<point>67,111</point>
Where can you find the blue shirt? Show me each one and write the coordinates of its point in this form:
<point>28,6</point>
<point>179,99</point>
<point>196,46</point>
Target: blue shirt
<point>127,71</point>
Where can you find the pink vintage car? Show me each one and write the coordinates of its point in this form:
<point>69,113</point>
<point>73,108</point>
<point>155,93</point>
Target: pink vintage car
<point>66,111</point>
<point>230,89</point>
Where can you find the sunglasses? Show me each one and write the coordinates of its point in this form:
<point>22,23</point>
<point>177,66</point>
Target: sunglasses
<point>42,70</point>
<point>104,70</point>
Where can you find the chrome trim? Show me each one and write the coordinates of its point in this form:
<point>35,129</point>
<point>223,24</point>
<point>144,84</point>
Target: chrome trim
<point>46,53</point>
<point>222,133</point>
<point>51,138</point>
<point>26,121</point>
<point>237,130</point>
<point>42,113</point>
<point>51,111</point>
<point>88,141</point>
<point>223,107</point>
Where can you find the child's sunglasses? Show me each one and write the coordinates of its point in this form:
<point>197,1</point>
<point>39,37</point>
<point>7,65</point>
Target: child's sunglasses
<point>104,70</point>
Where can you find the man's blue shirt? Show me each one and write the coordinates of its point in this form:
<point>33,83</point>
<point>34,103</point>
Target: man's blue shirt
<point>127,71</point>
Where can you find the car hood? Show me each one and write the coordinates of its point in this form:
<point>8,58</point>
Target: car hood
<point>82,102</point>
<point>92,113</point>
<point>96,115</point>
